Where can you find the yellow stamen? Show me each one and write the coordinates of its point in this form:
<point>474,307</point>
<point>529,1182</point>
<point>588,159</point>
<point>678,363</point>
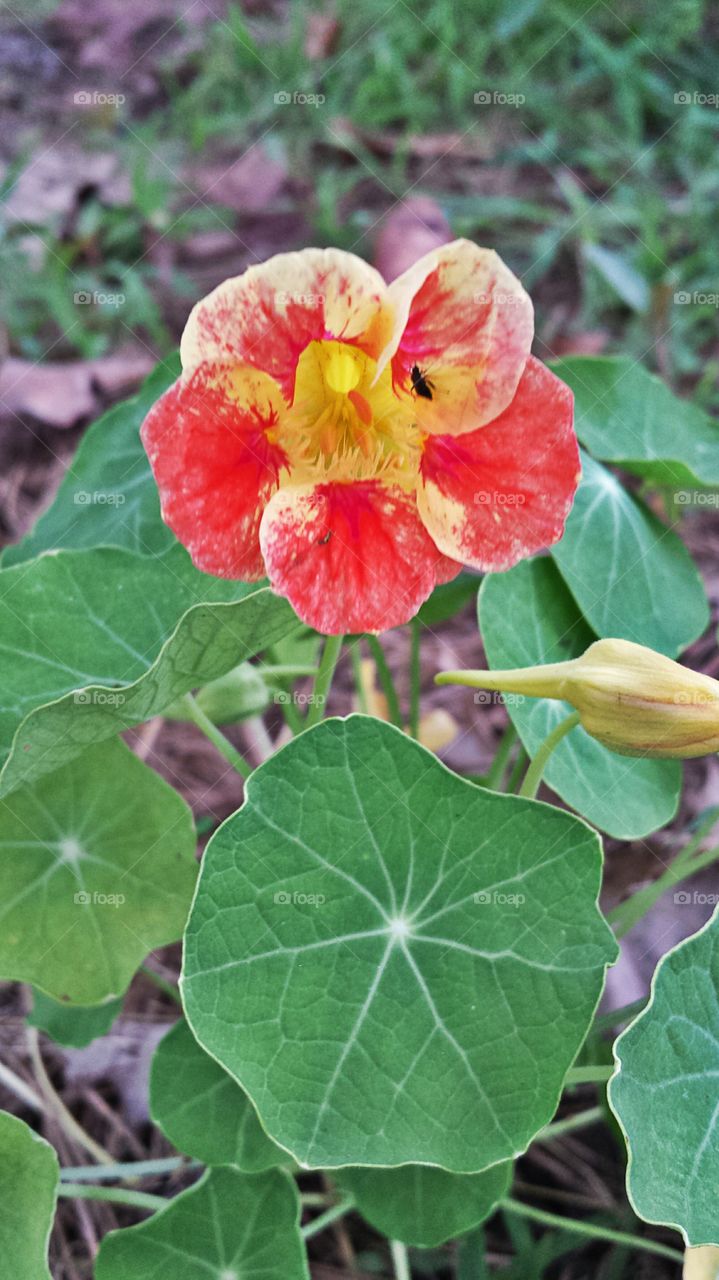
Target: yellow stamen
<point>343,371</point>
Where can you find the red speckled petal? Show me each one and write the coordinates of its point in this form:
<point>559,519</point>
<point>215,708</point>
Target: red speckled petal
<point>350,557</point>
<point>267,316</point>
<point>465,324</point>
<point>502,493</point>
<point>215,467</point>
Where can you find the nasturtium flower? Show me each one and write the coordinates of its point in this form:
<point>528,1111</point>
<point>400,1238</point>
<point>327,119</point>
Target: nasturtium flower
<point>633,700</point>
<point>357,442</point>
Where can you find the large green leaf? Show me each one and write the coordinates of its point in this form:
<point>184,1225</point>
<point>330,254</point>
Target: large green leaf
<point>74,1025</point>
<point>96,641</point>
<point>665,1092</point>
<point>528,616</point>
<point>229,1226</point>
<point>379,950</point>
<point>631,576</point>
<point>29,1175</point>
<point>108,496</point>
<point>624,414</point>
<point>201,1109</point>
<point>97,868</point>
<point>424,1206</point>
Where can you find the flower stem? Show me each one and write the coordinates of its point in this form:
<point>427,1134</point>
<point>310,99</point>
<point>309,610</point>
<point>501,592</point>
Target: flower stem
<point>501,758</point>
<point>327,1218</point>
<point>385,679</point>
<point>627,914</point>
<point>400,1260</point>
<point>606,1021</point>
<point>161,983</point>
<point>589,1229</point>
<point>588,1075</point>
<point>218,739</point>
<point>126,1171</point>
<point>415,678</point>
<point>139,1199</point>
<point>533,776</point>
<point>356,660</point>
<point>56,1107</point>
<point>323,680</point>
<point>569,1124</point>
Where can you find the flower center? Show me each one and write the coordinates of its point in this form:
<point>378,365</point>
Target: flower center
<point>342,425</point>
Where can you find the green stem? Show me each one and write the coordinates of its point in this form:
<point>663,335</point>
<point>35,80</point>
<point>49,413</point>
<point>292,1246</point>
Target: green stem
<point>627,914</point>
<point>356,660</point>
<point>589,1229</point>
<point>127,1170</point>
<point>56,1106</point>
<point>415,678</point>
<point>609,1020</point>
<point>518,768</point>
<point>385,679</point>
<point>292,717</point>
<point>400,1260</point>
<point>323,680</point>
<point>533,776</point>
<point>327,1218</point>
<point>139,1199</point>
<point>218,739</point>
<point>578,1121</point>
<point>168,987</point>
<point>588,1075</point>
<point>501,758</point>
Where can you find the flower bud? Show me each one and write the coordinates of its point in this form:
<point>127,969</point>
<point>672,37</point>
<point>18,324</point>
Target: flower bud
<point>634,701</point>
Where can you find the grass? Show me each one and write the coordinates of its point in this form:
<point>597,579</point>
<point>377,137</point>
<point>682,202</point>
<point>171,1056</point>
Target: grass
<point>598,188</point>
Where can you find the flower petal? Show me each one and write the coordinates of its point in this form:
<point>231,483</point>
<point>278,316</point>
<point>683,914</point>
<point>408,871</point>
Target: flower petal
<point>350,557</point>
<point>502,493</point>
<point>267,316</point>
<point>464,324</point>
<point>210,442</point>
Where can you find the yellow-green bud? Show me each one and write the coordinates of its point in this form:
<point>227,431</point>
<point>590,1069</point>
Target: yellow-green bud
<point>631,699</point>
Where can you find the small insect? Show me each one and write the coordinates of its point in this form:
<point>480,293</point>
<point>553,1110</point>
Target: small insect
<point>322,542</point>
<point>421,384</point>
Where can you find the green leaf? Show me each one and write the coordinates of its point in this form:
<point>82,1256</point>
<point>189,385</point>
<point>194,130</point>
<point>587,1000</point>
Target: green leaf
<point>378,950</point>
<point>664,1093</point>
<point>72,1025</point>
<point>631,576</point>
<point>94,642</point>
<point>228,1226</point>
<point>623,278</point>
<point>528,616</point>
<point>108,496</point>
<point>423,1206</point>
<point>97,868</point>
<point>201,1110</point>
<point>29,1175</point>
<point>447,599</point>
<point>625,415</point>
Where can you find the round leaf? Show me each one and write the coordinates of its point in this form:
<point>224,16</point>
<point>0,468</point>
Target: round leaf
<point>423,1206</point>
<point>528,616</point>
<point>72,1025</point>
<point>201,1110</point>
<point>97,868</point>
<point>228,1226</point>
<point>379,950</point>
<point>665,1092</point>
<point>29,1176</point>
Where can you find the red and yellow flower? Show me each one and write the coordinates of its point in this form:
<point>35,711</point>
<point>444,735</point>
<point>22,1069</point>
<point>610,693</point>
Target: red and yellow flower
<point>357,442</point>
